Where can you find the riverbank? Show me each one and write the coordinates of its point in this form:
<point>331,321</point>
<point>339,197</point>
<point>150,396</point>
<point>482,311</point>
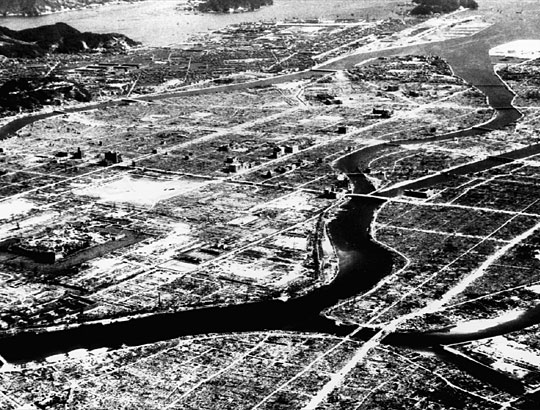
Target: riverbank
<point>438,246</point>
<point>362,264</point>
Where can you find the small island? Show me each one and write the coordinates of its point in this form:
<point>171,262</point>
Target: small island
<point>227,6</point>
<point>426,7</point>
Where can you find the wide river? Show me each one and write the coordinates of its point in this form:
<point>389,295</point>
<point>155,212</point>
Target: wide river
<point>363,262</point>
<point>160,23</point>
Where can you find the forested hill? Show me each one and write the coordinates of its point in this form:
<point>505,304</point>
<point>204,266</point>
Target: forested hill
<point>58,38</point>
<point>37,7</point>
<point>441,6</point>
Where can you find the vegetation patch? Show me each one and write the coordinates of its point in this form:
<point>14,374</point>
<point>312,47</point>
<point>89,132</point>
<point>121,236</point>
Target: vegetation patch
<point>425,7</point>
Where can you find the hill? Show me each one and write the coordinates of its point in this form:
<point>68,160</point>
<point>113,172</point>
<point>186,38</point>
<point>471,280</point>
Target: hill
<point>58,38</point>
<point>425,7</point>
<point>37,7</point>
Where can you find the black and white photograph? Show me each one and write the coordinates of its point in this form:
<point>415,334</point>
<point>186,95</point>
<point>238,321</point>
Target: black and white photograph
<point>269,204</point>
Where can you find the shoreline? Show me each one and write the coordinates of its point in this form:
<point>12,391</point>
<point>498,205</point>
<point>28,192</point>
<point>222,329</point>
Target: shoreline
<point>192,6</point>
<point>157,23</point>
<point>70,9</point>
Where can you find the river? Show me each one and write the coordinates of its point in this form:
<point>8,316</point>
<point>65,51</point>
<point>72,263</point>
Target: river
<point>363,262</point>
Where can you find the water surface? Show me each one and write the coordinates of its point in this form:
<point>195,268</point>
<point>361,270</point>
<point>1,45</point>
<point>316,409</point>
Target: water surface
<point>160,23</point>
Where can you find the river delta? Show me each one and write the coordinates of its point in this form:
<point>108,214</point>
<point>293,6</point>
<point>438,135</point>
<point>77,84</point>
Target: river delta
<point>358,235</point>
